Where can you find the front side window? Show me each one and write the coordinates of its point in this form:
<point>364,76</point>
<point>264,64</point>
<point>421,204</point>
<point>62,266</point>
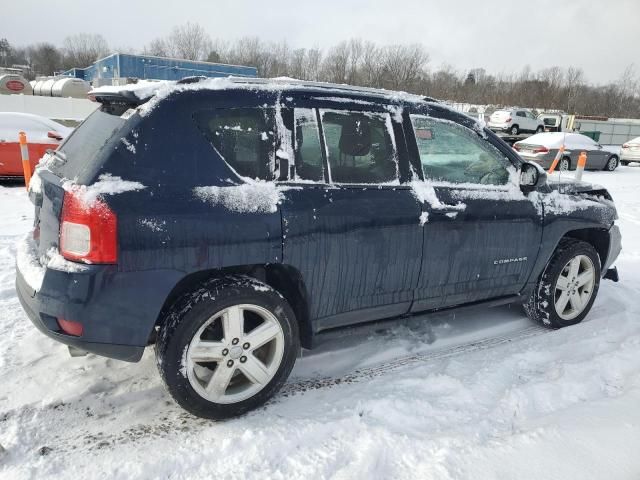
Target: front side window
<point>243,137</point>
<point>360,147</point>
<point>452,153</point>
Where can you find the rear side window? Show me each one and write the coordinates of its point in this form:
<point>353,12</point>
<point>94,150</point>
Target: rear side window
<point>453,153</point>
<point>243,137</point>
<point>360,146</point>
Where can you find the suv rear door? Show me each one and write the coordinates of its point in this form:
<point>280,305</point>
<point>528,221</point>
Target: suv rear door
<point>482,235</point>
<point>349,227</point>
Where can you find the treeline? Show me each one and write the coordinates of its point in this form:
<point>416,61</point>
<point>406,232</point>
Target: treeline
<point>358,62</point>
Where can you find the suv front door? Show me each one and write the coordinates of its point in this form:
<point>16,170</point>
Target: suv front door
<point>482,234</point>
<point>350,229</point>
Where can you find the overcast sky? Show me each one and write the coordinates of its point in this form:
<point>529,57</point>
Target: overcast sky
<point>601,37</point>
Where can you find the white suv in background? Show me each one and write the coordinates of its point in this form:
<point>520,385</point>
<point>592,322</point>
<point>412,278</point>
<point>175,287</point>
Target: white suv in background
<point>515,121</point>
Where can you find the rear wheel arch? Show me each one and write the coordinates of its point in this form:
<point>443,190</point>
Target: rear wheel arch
<point>286,280</point>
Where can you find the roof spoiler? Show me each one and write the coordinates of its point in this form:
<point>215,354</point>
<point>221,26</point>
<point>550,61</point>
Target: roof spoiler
<point>123,97</point>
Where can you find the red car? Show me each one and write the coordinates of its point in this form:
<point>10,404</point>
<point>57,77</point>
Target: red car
<point>42,134</point>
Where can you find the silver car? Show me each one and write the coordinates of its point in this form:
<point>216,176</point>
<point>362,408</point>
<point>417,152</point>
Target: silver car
<point>543,147</point>
<point>630,151</point>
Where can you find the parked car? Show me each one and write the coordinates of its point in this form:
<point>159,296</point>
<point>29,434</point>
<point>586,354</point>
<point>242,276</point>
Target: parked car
<point>543,147</point>
<point>630,151</point>
<point>232,221</point>
<point>42,134</point>
<point>515,121</point>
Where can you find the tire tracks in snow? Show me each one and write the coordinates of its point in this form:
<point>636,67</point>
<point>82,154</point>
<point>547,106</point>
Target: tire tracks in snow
<point>174,421</point>
<point>301,386</point>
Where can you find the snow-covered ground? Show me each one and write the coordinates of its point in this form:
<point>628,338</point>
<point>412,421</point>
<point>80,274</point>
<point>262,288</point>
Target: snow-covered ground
<point>483,395</point>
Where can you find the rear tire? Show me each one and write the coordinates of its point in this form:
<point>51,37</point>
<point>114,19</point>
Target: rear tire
<point>565,164</point>
<point>539,129</point>
<point>567,287</point>
<point>612,164</point>
<point>227,347</point>
<point>515,130</point>
<point>623,163</point>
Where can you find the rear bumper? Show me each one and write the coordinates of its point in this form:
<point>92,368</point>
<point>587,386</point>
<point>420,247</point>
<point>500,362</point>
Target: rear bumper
<point>630,156</point>
<point>542,161</point>
<point>48,325</point>
<point>117,309</point>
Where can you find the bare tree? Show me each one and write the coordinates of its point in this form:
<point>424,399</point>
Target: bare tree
<point>404,64</point>
<point>44,58</point>
<point>82,49</point>
<point>190,41</point>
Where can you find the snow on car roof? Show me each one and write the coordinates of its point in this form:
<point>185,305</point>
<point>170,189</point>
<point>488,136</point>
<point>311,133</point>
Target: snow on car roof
<point>145,89</point>
<point>34,126</point>
<point>556,139</point>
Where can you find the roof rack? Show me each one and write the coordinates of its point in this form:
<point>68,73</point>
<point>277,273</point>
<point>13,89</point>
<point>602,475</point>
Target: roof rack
<point>325,86</point>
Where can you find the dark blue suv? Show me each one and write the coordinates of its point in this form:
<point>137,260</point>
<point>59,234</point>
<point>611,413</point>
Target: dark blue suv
<point>230,221</point>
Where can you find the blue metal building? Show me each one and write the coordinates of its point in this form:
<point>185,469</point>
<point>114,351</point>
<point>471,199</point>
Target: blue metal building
<point>122,66</point>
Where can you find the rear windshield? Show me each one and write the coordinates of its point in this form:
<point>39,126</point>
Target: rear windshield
<point>81,149</point>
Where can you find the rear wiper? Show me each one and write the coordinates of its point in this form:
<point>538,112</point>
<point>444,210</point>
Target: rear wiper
<point>57,156</point>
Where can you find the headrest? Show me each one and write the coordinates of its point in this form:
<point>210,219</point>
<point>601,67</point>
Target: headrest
<point>355,138</point>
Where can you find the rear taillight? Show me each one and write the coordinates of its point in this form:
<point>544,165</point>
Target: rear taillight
<point>70,327</point>
<point>540,150</point>
<point>54,135</point>
<point>516,148</point>
<point>507,120</point>
<point>625,145</point>
<point>88,232</point>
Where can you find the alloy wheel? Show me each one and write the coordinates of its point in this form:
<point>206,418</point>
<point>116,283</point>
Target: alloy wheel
<point>234,354</point>
<point>574,287</point>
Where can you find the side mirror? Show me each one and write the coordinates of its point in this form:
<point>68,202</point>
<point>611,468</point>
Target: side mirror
<point>532,176</point>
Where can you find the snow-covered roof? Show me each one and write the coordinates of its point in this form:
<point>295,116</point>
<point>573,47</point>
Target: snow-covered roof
<point>146,89</point>
<point>556,139</point>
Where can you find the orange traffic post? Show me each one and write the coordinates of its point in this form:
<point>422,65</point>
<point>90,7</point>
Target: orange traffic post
<point>582,161</point>
<point>554,164</point>
<point>24,151</point>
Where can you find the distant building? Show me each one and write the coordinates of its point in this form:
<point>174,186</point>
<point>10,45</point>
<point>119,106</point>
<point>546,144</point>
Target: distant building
<point>119,68</point>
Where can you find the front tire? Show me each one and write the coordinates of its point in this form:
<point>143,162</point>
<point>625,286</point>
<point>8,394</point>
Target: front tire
<point>228,347</point>
<point>568,286</point>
